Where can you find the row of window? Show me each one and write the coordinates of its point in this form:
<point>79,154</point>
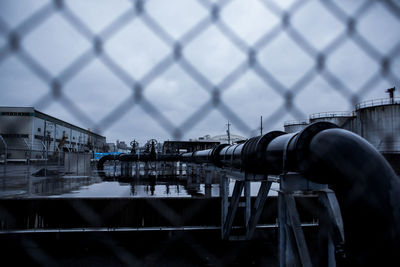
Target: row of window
<point>40,130</point>
<point>14,135</point>
<point>16,114</point>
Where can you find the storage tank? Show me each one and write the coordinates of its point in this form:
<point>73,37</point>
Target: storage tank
<point>378,121</point>
<point>295,126</point>
<point>343,119</point>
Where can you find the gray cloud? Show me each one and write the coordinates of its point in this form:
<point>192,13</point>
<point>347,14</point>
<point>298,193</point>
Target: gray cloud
<point>97,91</point>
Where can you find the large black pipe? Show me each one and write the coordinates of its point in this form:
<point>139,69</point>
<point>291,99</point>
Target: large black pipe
<point>368,191</point>
<point>367,188</point>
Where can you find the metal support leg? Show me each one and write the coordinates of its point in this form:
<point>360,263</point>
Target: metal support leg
<point>286,254</point>
<point>188,169</point>
<point>331,226</point>
<point>199,173</point>
<point>282,230</point>
<point>298,232</point>
<point>123,168</point>
<point>292,245</point>
<point>233,205</point>
<point>207,183</point>
<point>247,196</point>
<point>194,170</point>
<point>258,208</point>
<point>293,249</point>
<point>224,194</point>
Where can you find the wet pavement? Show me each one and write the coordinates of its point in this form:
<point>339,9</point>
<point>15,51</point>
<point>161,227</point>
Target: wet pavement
<point>22,181</point>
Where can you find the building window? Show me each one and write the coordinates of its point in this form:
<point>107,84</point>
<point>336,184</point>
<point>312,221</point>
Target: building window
<point>38,129</point>
<point>15,113</point>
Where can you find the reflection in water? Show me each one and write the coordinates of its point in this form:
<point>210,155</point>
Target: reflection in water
<point>98,185</point>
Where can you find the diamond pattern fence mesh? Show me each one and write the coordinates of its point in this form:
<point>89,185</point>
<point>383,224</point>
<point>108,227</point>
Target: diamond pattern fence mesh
<point>236,59</point>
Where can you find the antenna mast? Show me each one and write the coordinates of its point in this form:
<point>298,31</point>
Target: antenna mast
<point>228,132</point>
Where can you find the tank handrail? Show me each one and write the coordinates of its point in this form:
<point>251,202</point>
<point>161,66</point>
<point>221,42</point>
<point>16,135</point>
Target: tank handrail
<point>332,114</point>
<point>378,102</point>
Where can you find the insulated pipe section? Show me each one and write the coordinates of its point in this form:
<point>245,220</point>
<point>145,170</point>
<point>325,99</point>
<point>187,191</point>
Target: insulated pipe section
<point>254,152</point>
<point>230,156</point>
<point>249,156</point>
<point>205,156</point>
<point>202,156</point>
<point>287,153</point>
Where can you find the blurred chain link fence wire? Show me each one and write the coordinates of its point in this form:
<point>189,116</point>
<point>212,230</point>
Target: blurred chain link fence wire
<point>13,46</point>
<point>138,11</point>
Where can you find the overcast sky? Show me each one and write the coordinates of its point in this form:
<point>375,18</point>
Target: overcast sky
<point>96,90</point>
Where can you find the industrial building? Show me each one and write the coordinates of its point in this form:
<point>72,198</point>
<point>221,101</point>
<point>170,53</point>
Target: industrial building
<point>176,147</point>
<point>26,129</point>
<point>225,139</point>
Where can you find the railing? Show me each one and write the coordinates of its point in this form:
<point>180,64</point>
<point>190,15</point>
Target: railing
<point>332,114</point>
<point>296,122</point>
<point>378,102</point>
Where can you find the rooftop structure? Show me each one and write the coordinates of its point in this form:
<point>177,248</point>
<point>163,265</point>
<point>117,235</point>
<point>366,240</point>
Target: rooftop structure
<point>224,139</point>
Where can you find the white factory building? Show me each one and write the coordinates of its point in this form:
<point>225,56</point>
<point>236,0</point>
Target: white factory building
<point>25,128</point>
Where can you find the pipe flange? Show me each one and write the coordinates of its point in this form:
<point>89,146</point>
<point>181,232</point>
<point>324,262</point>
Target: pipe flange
<point>248,148</point>
<point>215,154</point>
<point>263,142</point>
<point>253,154</point>
<point>302,142</point>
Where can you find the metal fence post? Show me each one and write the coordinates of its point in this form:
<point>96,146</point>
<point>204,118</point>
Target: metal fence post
<point>45,160</point>
<point>5,149</point>
<point>5,155</point>
<point>77,163</point>
<point>84,164</point>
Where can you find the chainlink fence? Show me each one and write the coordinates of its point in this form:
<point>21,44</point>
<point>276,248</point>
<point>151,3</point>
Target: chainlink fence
<point>247,53</point>
<point>364,34</point>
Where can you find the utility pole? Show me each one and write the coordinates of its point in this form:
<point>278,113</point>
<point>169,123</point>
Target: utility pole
<point>228,132</point>
<point>261,126</point>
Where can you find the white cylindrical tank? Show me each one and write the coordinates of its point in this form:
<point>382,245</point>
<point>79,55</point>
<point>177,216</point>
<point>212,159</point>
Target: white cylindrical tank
<point>378,121</point>
<point>295,126</point>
